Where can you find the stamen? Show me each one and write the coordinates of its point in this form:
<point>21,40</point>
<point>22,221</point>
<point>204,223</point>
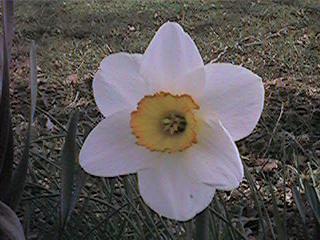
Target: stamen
<point>174,124</point>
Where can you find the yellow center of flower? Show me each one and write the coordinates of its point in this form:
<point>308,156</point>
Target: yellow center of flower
<point>165,123</point>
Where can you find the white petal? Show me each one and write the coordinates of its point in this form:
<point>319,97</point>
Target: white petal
<point>110,149</point>
<point>193,83</point>
<point>236,95</point>
<point>169,191</point>
<point>137,57</point>
<point>170,55</point>
<point>118,84</point>
<point>108,99</point>
<point>214,159</point>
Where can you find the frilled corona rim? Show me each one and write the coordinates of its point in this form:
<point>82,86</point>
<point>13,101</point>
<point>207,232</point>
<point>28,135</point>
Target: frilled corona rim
<point>165,122</point>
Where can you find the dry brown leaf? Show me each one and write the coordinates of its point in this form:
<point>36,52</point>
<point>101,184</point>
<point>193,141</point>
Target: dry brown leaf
<point>73,79</point>
<point>270,167</point>
<point>267,165</point>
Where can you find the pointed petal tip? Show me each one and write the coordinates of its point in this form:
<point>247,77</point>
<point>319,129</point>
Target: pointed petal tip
<point>107,154</point>
<point>169,191</point>
<point>236,94</point>
<point>170,55</point>
<point>172,24</point>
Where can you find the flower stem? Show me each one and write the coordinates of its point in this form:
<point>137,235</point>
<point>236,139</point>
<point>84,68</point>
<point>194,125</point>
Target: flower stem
<point>202,226</point>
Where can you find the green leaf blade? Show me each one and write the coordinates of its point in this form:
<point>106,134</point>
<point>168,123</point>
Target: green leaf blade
<point>20,174</point>
<point>68,162</point>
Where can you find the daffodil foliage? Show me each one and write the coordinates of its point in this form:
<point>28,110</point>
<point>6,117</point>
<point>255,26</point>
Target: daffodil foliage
<point>174,121</point>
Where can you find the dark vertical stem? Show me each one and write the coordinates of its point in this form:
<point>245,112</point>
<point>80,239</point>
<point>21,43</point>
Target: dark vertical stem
<point>202,226</point>
<point>189,230</point>
<point>6,139</point>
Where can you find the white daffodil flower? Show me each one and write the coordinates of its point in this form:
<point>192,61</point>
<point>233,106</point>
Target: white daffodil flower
<point>173,120</point>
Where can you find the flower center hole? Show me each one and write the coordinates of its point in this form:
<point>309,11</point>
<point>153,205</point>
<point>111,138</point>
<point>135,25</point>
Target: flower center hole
<point>174,124</point>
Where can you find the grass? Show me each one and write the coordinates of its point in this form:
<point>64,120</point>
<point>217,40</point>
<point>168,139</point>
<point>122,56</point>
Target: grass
<point>278,40</point>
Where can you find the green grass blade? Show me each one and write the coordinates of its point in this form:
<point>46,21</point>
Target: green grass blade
<point>80,181</point>
<point>68,163</point>
<point>189,230</point>
<point>256,199</point>
<point>33,82</point>
<point>214,224</point>
<point>313,200</point>
<point>299,204</point>
<point>20,174</point>
<point>281,234</point>
<point>8,29</point>
<point>230,230</point>
<point>27,218</point>
<point>106,219</point>
<point>202,225</point>
<point>302,210</point>
<point>6,138</point>
<point>6,173</point>
<point>10,226</point>
<point>223,219</point>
